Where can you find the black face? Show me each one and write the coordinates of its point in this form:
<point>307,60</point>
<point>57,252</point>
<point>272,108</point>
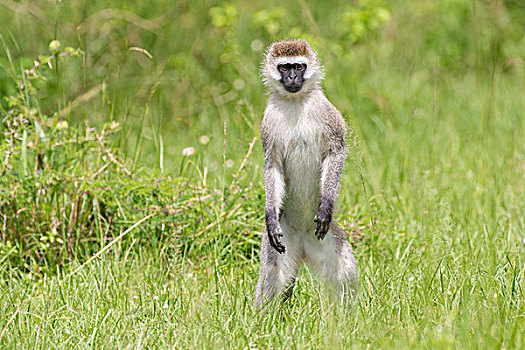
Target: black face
<point>292,76</point>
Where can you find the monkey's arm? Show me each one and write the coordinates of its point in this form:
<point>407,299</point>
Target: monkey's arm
<point>274,186</point>
<point>332,169</point>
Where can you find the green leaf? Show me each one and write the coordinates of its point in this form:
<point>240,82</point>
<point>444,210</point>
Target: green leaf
<point>40,132</point>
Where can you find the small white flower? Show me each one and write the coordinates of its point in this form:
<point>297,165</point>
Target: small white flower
<point>188,151</point>
<point>156,297</point>
<point>204,139</point>
<point>62,125</point>
<point>54,45</point>
<point>165,306</point>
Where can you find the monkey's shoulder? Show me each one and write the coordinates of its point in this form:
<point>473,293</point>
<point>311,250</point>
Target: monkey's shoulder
<point>332,114</point>
<point>308,120</point>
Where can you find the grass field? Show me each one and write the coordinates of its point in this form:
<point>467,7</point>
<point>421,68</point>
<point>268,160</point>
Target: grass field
<point>131,189</point>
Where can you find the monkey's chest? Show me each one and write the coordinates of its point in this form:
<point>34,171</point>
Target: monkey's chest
<point>302,153</point>
<point>302,165</point>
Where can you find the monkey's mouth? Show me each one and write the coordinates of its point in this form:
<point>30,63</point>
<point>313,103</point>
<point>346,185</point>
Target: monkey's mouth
<point>293,87</point>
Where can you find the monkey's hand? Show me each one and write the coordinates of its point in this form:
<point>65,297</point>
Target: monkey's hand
<point>274,234</point>
<point>323,219</point>
<point>275,240</point>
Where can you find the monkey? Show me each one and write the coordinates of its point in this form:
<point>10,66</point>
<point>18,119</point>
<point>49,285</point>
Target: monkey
<point>303,138</point>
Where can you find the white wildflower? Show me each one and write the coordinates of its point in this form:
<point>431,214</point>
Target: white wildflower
<point>188,151</point>
<point>62,125</point>
<point>54,45</point>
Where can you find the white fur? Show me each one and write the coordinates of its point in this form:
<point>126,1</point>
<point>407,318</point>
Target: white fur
<point>297,131</point>
<point>292,60</point>
<point>299,137</point>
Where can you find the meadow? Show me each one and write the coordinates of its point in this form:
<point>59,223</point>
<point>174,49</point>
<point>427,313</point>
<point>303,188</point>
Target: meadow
<point>131,187</point>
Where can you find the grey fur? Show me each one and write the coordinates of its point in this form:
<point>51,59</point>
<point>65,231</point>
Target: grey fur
<point>303,136</point>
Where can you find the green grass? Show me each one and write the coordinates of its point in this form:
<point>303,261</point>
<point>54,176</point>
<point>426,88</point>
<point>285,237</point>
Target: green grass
<point>432,199</point>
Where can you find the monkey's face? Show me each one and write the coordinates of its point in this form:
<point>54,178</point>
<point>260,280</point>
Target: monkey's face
<point>292,76</point>
<point>291,69</point>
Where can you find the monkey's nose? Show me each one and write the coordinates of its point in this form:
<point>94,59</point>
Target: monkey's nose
<point>292,79</point>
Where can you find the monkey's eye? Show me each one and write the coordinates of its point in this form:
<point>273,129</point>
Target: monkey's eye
<point>284,67</point>
<point>300,66</point>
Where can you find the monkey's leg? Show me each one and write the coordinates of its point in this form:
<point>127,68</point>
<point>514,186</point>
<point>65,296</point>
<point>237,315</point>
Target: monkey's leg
<point>337,263</point>
<point>347,272</point>
<point>277,275</point>
<point>289,290</point>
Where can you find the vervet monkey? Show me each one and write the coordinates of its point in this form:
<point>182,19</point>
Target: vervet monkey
<point>303,137</point>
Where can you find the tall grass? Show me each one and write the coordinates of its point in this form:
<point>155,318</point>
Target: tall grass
<point>131,188</point>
